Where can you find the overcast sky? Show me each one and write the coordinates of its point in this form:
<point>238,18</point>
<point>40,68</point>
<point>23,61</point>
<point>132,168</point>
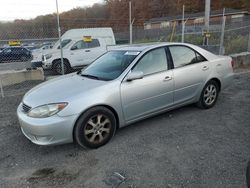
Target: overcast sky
<point>26,9</point>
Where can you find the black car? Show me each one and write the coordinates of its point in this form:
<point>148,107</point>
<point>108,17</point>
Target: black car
<point>15,53</point>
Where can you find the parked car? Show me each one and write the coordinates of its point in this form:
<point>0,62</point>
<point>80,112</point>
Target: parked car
<point>15,53</point>
<point>30,48</point>
<point>121,87</point>
<point>38,53</point>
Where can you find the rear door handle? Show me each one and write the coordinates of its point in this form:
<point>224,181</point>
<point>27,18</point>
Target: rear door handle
<point>167,78</point>
<point>87,50</point>
<point>205,68</point>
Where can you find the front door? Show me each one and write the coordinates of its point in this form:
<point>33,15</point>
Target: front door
<point>83,53</point>
<point>151,93</point>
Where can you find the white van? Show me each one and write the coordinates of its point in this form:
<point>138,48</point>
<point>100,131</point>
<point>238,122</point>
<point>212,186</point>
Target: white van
<point>80,48</point>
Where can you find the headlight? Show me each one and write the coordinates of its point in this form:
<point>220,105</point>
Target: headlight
<point>46,110</point>
<point>48,56</point>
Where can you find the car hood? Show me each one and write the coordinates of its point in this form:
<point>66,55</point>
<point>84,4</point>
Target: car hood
<point>61,89</point>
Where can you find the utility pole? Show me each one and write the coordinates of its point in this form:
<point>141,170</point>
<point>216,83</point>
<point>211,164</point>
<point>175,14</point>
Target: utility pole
<point>207,16</point>
<point>183,24</point>
<point>221,52</point>
<point>130,24</point>
<point>60,38</point>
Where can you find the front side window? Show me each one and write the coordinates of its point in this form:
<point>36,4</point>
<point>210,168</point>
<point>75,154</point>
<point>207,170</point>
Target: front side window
<point>64,43</point>
<point>183,56</point>
<point>153,62</point>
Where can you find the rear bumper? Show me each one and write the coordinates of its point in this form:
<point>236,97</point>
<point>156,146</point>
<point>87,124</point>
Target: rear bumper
<point>227,80</point>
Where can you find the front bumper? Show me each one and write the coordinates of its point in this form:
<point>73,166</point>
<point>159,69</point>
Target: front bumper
<point>47,131</point>
<point>46,64</point>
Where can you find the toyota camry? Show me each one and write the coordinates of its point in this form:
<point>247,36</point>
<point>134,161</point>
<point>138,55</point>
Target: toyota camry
<point>124,85</point>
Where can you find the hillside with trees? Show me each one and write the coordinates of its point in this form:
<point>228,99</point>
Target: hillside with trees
<point>111,13</point>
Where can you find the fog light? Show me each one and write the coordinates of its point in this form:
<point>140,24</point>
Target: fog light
<point>43,138</point>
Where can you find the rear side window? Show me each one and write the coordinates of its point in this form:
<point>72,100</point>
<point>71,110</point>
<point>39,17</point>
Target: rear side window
<point>16,50</point>
<point>93,44</point>
<point>153,62</point>
<point>183,56</point>
<point>84,45</point>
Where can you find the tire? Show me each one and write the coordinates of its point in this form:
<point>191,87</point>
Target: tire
<point>95,128</point>
<point>57,67</point>
<point>209,95</point>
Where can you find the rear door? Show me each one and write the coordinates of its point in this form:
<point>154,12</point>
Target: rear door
<point>95,49</point>
<point>83,53</point>
<point>191,70</point>
<point>151,93</point>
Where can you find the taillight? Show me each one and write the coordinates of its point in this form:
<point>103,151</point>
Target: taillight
<point>232,63</point>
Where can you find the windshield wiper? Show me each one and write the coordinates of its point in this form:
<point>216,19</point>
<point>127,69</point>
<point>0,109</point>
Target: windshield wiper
<point>90,76</point>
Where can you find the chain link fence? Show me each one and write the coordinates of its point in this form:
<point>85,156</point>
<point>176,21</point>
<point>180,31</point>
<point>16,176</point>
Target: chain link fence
<point>30,51</point>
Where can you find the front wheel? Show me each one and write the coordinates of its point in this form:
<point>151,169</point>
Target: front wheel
<point>95,127</point>
<point>209,95</point>
<point>57,67</point>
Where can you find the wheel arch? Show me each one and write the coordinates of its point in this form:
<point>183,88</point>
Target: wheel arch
<point>58,59</point>
<point>101,105</point>
<point>217,81</point>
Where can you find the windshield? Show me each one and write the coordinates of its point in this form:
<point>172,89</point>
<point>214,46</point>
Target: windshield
<point>110,65</point>
<point>64,43</point>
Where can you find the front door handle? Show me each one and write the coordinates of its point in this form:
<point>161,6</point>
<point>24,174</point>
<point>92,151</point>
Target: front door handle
<point>205,68</point>
<point>167,78</point>
<point>87,50</point>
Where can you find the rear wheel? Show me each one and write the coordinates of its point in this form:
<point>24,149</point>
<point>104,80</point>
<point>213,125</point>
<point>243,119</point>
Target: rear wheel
<point>57,67</point>
<point>209,95</point>
<point>95,127</point>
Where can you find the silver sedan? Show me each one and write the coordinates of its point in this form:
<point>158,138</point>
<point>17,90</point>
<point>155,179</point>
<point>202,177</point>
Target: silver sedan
<point>121,87</point>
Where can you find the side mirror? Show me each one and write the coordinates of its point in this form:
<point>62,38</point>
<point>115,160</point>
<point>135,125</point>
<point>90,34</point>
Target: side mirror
<point>134,75</point>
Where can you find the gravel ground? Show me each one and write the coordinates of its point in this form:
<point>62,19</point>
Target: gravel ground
<point>187,147</point>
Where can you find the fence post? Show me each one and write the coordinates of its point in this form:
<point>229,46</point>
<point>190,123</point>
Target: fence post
<point>183,24</point>
<point>1,88</point>
<point>221,52</point>
<point>248,49</point>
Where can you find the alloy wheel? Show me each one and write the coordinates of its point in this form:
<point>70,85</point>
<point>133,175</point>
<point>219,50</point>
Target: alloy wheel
<point>210,94</point>
<point>97,128</point>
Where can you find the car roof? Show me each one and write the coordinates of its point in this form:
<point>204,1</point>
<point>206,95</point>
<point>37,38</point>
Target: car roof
<point>145,47</point>
<point>136,47</point>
